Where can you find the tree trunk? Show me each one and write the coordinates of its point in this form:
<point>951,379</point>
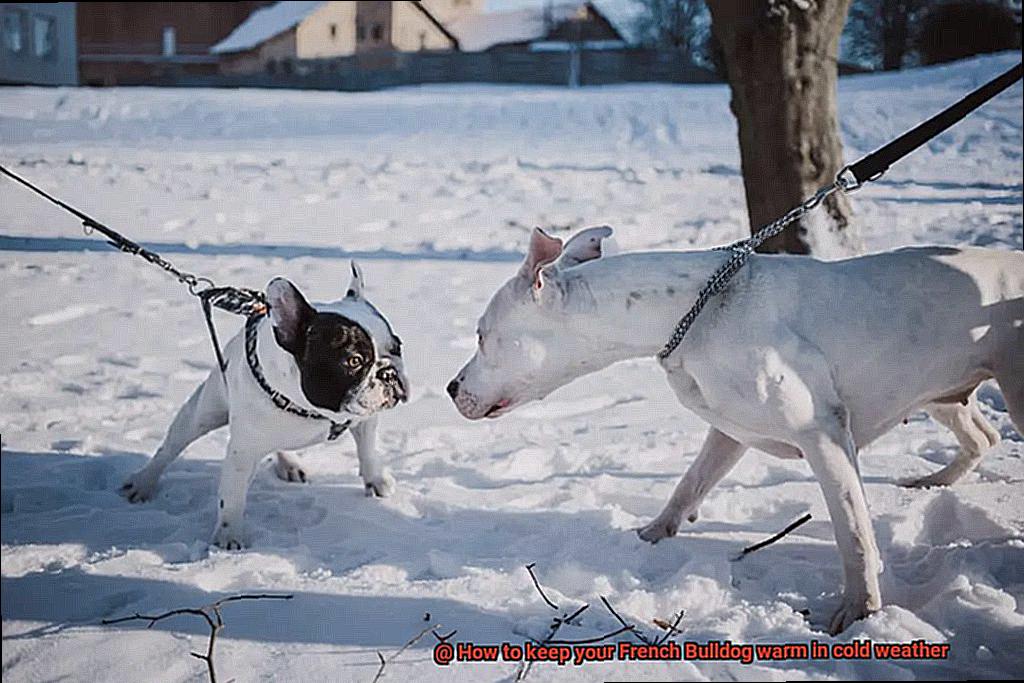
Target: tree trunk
<point>781,63</point>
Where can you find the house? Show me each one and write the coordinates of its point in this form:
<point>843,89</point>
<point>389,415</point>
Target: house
<point>141,42</point>
<point>287,31</point>
<point>545,27</point>
<point>38,43</point>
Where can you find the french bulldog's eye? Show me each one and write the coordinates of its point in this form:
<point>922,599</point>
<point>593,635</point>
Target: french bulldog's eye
<point>387,375</point>
<point>354,361</point>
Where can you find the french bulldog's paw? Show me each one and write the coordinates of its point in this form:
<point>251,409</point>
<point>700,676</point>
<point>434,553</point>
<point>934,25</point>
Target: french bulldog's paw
<point>381,486</point>
<point>850,610</point>
<point>289,469</point>
<point>139,487</point>
<point>229,537</point>
<point>663,526</point>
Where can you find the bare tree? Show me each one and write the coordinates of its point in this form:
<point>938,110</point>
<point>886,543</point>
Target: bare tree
<point>881,30</point>
<point>781,63</point>
<point>675,24</point>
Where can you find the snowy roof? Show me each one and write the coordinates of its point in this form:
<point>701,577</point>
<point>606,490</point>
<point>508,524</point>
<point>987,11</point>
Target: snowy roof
<point>478,32</point>
<point>264,24</point>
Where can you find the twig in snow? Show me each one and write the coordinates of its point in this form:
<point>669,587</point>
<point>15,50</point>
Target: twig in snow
<point>210,613</point>
<point>639,635</point>
<point>670,629</point>
<point>412,641</point>
<point>536,583</point>
<point>767,542</point>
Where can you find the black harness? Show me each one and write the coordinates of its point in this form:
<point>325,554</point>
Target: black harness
<point>276,397</point>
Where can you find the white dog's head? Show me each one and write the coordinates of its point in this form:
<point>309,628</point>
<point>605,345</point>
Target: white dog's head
<point>524,347</point>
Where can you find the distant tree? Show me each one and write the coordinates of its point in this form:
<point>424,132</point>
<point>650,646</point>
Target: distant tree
<point>781,63</point>
<point>954,30</point>
<point>677,24</point>
<point>880,33</point>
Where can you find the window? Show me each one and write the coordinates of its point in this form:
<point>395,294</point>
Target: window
<point>360,32</point>
<point>423,40</point>
<point>334,31</point>
<point>378,33</point>
<point>43,36</point>
<point>12,31</point>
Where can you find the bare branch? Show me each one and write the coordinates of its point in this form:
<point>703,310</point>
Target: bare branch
<point>536,583</point>
<point>412,641</point>
<point>767,542</point>
<point>215,622</point>
<point>639,635</point>
<point>670,629</point>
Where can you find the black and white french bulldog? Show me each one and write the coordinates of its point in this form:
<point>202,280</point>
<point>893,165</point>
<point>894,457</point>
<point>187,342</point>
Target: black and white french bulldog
<point>295,377</point>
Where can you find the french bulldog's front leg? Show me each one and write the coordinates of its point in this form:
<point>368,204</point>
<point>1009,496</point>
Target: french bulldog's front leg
<point>236,473</point>
<point>376,478</point>
<point>717,456</point>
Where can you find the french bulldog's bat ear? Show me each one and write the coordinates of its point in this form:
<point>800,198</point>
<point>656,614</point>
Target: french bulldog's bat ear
<point>544,249</point>
<point>290,314</point>
<point>355,287</point>
<point>584,246</point>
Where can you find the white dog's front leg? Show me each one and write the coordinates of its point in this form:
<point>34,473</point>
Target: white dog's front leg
<point>236,473</point>
<point>376,478</point>
<point>717,456</point>
<point>833,460</point>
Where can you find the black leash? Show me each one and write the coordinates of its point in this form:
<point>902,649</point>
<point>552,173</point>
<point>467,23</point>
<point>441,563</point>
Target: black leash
<point>878,162</point>
<point>850,178</point>
<point>237,300</point>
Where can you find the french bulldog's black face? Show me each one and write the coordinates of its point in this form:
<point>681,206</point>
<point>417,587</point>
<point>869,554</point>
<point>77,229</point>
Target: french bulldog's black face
<point>334,354</point>
<point>335,357</point>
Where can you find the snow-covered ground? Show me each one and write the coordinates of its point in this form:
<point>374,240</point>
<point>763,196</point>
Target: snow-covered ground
<point>434,190</point>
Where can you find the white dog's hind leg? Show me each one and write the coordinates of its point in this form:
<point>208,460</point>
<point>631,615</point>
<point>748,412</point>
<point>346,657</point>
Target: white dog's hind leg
<point>376,478</point>
<point>287,467</point>
<point>717,456</point>
<point>972,431</point>
<point>205,410</point>
<point>833,458</point>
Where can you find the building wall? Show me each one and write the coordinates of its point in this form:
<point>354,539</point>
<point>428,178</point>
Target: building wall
<point>411,30</point>
<point>328,32</point>
<point>37,43</point>
<point>258,60</point>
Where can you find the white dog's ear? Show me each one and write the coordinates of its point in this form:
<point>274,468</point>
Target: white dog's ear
<point>543,251</point>
<point>355,287</point>
<point>584,246</point>
<point>290,314</point>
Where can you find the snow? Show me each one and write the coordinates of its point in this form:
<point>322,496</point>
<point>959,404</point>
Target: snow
<point>434,190</point>
<point>264,24</point>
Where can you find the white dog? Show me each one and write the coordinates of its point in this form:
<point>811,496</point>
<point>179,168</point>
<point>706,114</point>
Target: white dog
<point>799,358</point>
<point>295,377</point>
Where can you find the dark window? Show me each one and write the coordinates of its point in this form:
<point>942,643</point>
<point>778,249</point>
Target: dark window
<point>334,31</point>
<point>360,32</point>
<point>378,33</point>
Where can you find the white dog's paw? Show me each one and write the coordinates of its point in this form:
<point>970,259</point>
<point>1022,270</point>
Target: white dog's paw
<point>229,536</point>
<point>663,526</point>
<point>289,469</point>
<point>850,610</point>
<point>381,486</point>
<point>139,487</point>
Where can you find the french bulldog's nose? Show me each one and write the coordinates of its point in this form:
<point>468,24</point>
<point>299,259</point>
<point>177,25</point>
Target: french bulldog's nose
<point>453,388</point>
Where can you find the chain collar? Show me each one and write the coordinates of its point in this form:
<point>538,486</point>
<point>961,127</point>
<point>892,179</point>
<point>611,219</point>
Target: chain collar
<point>276,397</point>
